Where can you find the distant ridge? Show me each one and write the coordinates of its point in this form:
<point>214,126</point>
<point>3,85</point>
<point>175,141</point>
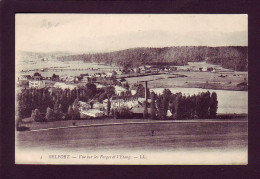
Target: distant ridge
<point>231,57</point>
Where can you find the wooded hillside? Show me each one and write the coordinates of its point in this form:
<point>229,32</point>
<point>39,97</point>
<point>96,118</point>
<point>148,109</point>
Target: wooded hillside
<point>229,57</point>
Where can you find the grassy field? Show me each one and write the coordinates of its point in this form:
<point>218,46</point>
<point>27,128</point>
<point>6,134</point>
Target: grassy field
<point>194,80</point>
<point>228,134</point>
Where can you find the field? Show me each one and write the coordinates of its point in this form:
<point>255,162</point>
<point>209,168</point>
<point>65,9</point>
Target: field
<point>221,134</point>
<point>205,80</point>
<point>223,79</point>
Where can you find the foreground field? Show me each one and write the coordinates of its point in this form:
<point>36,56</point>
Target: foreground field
<point>208,142</point>
<point>228,134</point>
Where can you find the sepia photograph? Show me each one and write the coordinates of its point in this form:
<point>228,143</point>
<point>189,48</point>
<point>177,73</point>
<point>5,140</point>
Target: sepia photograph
<point>131,89</point>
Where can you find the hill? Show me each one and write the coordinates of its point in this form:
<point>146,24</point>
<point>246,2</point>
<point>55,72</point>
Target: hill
<point>231,57</point>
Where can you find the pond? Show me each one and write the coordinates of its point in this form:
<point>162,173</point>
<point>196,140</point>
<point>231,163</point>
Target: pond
<point>228,101</point>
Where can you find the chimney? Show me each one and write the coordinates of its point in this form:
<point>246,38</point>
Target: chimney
<point>146,91</point>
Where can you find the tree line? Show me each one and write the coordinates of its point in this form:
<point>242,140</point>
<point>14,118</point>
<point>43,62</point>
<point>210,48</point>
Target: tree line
<point>231,57</point>
<point>203,105</point>
<point>30,99</point>
<point>56,103</point>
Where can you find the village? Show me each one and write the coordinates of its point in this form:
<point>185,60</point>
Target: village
<point>124,95</point>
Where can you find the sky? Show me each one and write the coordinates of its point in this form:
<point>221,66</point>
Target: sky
<point>84,33</point>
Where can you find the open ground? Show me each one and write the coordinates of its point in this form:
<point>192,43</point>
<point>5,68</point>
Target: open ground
<point>220,134</point>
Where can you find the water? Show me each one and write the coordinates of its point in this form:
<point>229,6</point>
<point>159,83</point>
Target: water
<point>229,102</point>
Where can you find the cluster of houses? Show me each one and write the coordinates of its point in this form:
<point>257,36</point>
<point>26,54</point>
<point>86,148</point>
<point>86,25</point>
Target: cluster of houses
<point>98,110</point>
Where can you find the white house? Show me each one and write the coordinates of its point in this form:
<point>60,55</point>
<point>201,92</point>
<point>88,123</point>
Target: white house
<point>64,86</point>
<point>119,89</point>
<point>37,84</point>
<point>24,77</point>
<point>95,113</point>
<point>109,74</point>
<point>139,109</point>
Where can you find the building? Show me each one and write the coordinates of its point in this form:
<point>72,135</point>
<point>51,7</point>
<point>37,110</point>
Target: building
<point>91,113</point>
<point>109,74</point>
<point>68,78</point>
<point>37,84</point>
<point>64,86</point>
<point>119,90</point>
<point>24,77</point>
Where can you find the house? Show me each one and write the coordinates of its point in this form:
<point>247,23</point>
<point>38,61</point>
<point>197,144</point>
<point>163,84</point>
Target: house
<point>103,75</point>
<point>37,84</point>
<point>64,86</point>
<point>84,106</point>
<point>118,72</point>
<point>125,102</point>
<point>97,75</point>
<point>119,90</point>
<point>203,69</point>
<point>138,110</point>
<point>23,80</point>
<point>68,78</point>
<point>98,105</point>
<point>109,74</point>
<point>24,77</point>
<point>91,113</point>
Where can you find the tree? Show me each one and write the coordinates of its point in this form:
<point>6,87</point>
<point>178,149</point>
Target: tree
<point>177,107</point>
<point>108,106</point>
<point>153,106</point>
<point>165,102</point>
<point>70,113</point>
<point>110,91</point>
<point>49,114</point>
<point>202,105</point>
<point>159,107</point>
<point>91,90</point>
<point>76,113</point>
<point>140,91</point>
<point>145,114</point>
<point>56,106</point>
<point>213,106</point>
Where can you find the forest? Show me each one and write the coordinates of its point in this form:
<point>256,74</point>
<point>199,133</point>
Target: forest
<point>231,57</point>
